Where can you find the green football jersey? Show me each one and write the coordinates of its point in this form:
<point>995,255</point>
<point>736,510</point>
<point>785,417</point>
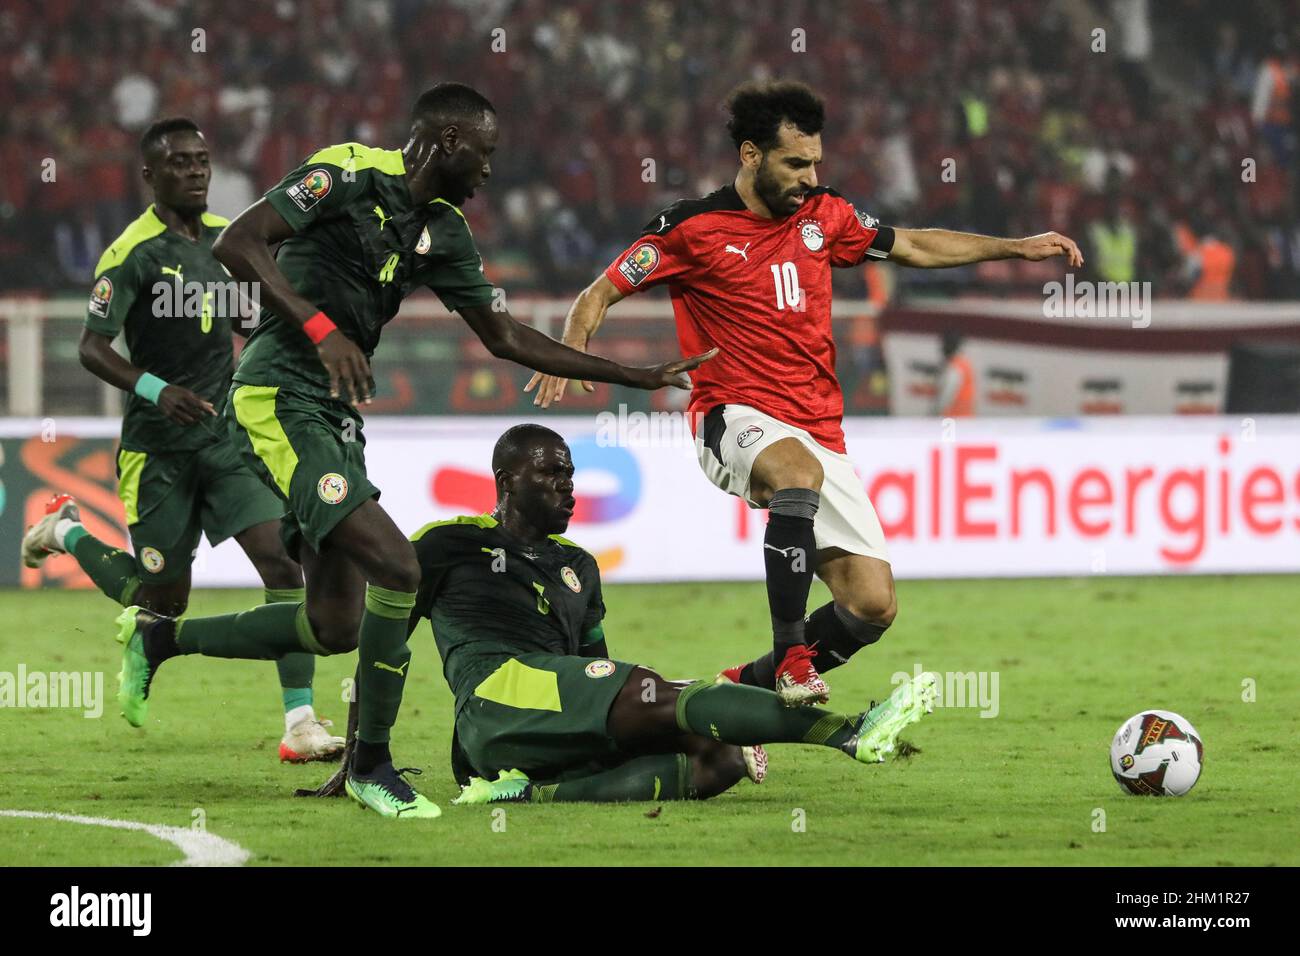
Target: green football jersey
<point>361,246</point>
<point>173,302</point>
<point>489,596</point>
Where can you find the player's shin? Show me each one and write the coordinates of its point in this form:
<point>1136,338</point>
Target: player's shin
<point>834,633</point>
<point>741,715</point>
<point>112,569</point>
<point>262,633</point>
<point>296,670</point>
<point>382,662</point>
<point>789,552</point>
<point>658,777</point>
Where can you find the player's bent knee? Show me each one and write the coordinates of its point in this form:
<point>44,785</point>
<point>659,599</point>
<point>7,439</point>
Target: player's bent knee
<point>716,770</point>
<point>878,606</point>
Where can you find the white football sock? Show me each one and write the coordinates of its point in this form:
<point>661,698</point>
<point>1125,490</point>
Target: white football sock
<point>61,529</point>
<point>297,715</point>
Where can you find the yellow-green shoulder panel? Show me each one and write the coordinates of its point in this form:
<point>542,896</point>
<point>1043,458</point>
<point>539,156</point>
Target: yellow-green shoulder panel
<point>483,521</point>
<point>142,230</point>
<point>215,221</point>
<point>356,157</point>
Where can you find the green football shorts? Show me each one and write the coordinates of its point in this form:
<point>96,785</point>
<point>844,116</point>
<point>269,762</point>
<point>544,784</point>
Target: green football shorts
<point>171,499</point>
<point>544,714</point>
<point>310,451</point>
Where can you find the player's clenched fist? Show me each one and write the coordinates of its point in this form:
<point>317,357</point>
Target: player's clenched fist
<point>184,407</point>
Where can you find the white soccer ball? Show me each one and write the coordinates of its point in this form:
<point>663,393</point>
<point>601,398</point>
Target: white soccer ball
<point>1156,753</point>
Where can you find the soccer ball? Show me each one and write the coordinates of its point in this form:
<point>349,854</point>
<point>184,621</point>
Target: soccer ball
<point>1156,754</point>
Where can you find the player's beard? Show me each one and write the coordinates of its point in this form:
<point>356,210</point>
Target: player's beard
<point>777,200</point>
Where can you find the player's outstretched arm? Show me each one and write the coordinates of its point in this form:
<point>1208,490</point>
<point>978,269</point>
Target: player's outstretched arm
<point>507,338</point>
<point>245,249</point>
<point>940,248</point>
<point>584,318</point>
<point>98,358</point>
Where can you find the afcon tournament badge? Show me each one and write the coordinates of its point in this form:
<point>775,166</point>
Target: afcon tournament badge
<point>1126,761</point>
<point>152,560</point>
<point>640,262</point>
<point>600,668</point>
<point>332,488</point>
<point>101,296</point>
<point>811,233</point>
<point>571,579</point>
<point>311,189</point>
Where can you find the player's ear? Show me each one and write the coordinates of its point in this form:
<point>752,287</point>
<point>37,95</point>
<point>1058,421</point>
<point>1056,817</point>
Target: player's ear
<point>450,138</point>
<point>750,155</point>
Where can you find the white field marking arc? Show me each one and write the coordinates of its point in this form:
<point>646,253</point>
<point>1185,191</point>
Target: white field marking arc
<point>200,848</point>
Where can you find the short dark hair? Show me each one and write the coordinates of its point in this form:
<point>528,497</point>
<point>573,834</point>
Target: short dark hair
<point>759,109</point>
<point>154,135</point>
<point>517,441</point>
<point>450,102</point>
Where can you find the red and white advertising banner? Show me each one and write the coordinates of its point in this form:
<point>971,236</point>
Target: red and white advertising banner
<point>972,498</point>
<point>1055,357</point>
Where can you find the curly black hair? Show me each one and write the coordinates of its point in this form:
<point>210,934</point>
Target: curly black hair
<point>758,110</point>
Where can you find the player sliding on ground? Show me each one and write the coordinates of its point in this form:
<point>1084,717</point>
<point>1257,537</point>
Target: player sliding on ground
<point>542,713</point>
<point>358,229</point>
<point>179,475</point>
<point>749,268</point>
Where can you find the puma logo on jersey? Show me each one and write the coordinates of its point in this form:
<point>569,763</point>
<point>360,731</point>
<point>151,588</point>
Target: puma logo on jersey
<point>663,224</point>
<point>174,272</point>
<point>382,217</point>
<point>743,253</point>
<point>399,671</point>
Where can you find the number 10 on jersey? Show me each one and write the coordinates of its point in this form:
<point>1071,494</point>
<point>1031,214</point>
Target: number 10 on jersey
<point>788,294</point>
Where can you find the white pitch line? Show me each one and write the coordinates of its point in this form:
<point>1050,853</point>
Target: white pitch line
<point>200,847</point>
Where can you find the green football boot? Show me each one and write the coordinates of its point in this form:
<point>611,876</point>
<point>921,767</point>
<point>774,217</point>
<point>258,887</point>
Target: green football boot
<point>876,733</point>
<point>384,791</point>
<point>140,632</point>
<point>510,786</point>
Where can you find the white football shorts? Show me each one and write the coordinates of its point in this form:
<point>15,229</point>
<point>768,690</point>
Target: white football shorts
<point>730,437</point>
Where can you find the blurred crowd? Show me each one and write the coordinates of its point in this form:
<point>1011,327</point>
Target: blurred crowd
<point>1162,136</point>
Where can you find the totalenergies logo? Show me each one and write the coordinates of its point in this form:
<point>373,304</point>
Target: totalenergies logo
<point>608,481</point>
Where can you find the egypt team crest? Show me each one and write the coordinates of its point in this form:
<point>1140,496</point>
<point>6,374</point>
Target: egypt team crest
<point>152,560</point>
<point>571,579</point>
<point>600,668</point>
<point>810,231</point>
<point>101,296</point>
<point>332,488</point>
<point>750,435</point>
<point>311,189</point>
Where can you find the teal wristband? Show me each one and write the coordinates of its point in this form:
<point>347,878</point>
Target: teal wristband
<point>149,387</point>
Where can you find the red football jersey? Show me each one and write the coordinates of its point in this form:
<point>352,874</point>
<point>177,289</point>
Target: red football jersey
<point>760,291</point>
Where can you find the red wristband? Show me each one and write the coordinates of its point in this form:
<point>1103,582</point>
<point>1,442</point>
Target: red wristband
<point>318,326</point>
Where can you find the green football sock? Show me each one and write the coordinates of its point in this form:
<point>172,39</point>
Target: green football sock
<point>298,669</point>
<point>659,777</point>
<point>736,714</point>
<point>112,569</point>
<point>264,633</point>
<point>382,656</point>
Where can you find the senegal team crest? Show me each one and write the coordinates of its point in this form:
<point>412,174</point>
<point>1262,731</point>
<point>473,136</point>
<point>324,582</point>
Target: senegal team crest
<point>332,488</point>
<point>152,560</point>
<point>311,189</point>
<point>810,231</point>
<point>640,262</point>
<point>422,247</point>
<point>101,296</point>
<point>571,579</point>
<point>600,668</point>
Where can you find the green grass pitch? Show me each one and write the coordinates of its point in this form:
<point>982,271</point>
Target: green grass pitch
<point>1031,786</point>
